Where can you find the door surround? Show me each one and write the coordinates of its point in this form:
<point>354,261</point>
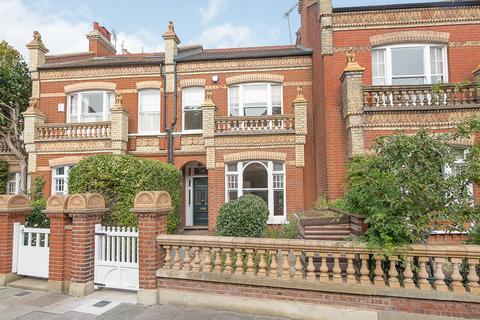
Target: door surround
<point>190,173</point>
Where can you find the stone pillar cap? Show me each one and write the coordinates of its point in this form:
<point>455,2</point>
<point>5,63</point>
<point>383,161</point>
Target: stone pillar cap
<point>37,43</point>
<point>14,202</point>
<point>208,100</point>
<point>352,65</point>
<point>33,109</point>
<point>85,201</point>
<point>157,200</point>
<point>56,203</point>
<point>170,34</point>
<point>300,97</point>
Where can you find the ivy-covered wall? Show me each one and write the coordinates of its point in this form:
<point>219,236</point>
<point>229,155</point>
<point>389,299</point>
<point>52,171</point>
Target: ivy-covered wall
<point>3,176</point>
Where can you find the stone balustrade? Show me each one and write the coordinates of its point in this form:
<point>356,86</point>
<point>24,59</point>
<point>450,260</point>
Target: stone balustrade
<point>255,124</point>
<point>318,264</point>
<point>420,97</point>
<point>70,131</point>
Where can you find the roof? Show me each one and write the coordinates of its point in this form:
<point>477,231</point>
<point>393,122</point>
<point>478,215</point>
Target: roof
<point>434,4</point>
<point>185,54</point>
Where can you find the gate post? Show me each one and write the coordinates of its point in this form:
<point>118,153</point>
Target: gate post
<point>58,278</point>
<point>12,209</point>
<point>86,211</point>
<point>152,209</point>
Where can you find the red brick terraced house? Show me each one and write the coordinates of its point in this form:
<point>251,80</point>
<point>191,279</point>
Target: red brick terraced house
<point>280,122</point>
<point>233,120</point>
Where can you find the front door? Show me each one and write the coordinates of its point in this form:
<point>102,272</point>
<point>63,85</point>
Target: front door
<point>200,201</point>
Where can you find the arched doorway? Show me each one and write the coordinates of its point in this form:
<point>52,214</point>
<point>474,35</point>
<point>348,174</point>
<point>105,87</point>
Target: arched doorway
<point>196,195</point>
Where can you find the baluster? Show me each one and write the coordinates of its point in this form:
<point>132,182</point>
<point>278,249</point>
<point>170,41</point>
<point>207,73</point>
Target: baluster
<point>470,95</point>
<point>238,262</point>
<point>439,275</point>
<point>383,99</point>
<point>456,284</point>
<point>176,260</point>
<point>196,260</point>
<point>218,261</point>
<point>366,97</point>
<point>464,95</point>
<point>351,278</point>
<point>168,258</point>
<point>410,97</point>
<point>207,261</point>
<point>187,259</point>
<point>250,264</point>
<point>408,282</point>
<point>378,280</point>
<point>395,95</point>
<point>389,99</point>
<point>472,276</point>
<point>310,266</point>
<point>393,273</point>
<point>273,272</point>
<point>262,265</point>
<point>425,98</point>
<point>403,99</point>
<point>449,97</point>
<point>337,271</point>
<point>423,283</point>
<point>324,277</point>
<point>298,275</point>
<point>228,260</point>
<point>285,265</point>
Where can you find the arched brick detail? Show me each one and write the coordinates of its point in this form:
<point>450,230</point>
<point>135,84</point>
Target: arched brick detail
<point>255,77</point>
<point>65,161</point>
<point>254,155</point>
<point>149,85</point>
<point>195,82</point>
<point>90,86</point>
<point>409,37</point>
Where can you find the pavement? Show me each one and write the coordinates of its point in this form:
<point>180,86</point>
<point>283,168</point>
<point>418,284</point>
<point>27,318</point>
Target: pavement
<point>17,303</point>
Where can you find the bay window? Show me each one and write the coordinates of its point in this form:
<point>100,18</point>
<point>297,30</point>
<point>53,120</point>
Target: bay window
<point>192,100</point>
<point>265,179</point>
<point>255,99</point>
<point>89,106</point>
<point>60,180</point>
<point>412,64</point>
<point>149,111</point>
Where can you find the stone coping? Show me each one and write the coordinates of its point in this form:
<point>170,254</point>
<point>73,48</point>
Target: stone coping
<point>303,284</point>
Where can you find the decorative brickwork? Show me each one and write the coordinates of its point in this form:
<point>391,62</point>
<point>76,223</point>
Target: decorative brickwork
<point>64,161</point>
<point>254,155</point>
<point>254,77</point>
<point>409,37</point>
<point>149,85</point>
<point>93,85</point>
<point>193,82</point>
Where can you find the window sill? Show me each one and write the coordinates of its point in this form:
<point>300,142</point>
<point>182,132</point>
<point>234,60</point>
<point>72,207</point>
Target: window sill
<point>191,132</point>
<point>146,134</point>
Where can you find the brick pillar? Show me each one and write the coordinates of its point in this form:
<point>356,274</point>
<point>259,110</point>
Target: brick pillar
<point>86,211</point>
<point>151,208</point>
<point>58,280</point>
<point>208,116</point>
<point>12,209</point>
<point>300,112</point>
<point>352,88</point>
<point>119,129</point>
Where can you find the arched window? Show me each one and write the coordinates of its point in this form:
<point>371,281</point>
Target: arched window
<point>409,64</point>
<point>265,179</point>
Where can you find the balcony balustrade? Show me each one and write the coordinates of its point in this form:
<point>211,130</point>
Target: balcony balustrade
<point>257,124</point>
<point>74,131</point>
<point>420,97</point>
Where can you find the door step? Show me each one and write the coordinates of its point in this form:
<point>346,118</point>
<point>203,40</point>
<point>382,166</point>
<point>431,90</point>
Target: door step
<point>33,284</point>
<point>195,228</point>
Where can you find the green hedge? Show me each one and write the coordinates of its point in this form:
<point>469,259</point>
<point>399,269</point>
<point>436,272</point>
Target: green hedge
<point>36,218</point>
<point>120,177</point>
<point>3,176</point>
<point>245,217</point>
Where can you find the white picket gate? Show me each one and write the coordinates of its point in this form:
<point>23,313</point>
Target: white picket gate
<point>116,257</point>
<point>31,251</point>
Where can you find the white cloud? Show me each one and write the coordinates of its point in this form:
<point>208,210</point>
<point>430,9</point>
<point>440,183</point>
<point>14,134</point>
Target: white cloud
<point>212,10</point>
<point>228,35</point>
<point>62,31</point>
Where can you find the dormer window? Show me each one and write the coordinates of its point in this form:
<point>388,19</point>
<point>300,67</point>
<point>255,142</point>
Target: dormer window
<point>409,64</point>
<point>255,99</point>
<point>89,106</point>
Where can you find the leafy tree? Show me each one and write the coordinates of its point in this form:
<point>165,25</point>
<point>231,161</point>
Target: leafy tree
<point>15,89</point>
<point>405,189</point>
<point>36,218</point>
<point>3,176</point>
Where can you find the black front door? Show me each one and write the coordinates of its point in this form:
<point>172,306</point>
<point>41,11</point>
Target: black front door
<point>200,201</point>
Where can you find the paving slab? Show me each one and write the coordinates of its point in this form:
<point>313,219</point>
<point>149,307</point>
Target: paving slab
<point>124,312</point>
<point>30,284</point>
<point>47,299</point>
<point>91,307</point>
<point>197,314</point>
<point>162,311</point>
<point>16,311</point>
<point>37,315</point>
<point>72,315</point>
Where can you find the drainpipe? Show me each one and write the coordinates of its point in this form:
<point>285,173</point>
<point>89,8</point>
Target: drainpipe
<point>164,78</point>
<point>173,126</point>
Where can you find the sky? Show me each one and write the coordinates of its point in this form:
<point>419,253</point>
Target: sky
<point>139,24</point>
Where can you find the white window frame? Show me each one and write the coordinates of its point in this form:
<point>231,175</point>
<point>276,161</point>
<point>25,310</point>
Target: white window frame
<point>64,177</point>
<point>426,60</point>
<point>15,181</point>
<point>240,166</point>
<point>140,112</point>
<point>241,96</point>
<point>183,109</point>
<point>80,116</point>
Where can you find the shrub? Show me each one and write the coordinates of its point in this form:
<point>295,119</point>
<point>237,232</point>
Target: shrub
<point>245,217</point>
<point>3,176</point>
<point>36,218</point>
<point>119,178</point>
<point>286,231</point>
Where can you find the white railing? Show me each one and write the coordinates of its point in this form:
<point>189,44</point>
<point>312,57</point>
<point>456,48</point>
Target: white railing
<point>420,97</point>
<point>423,267</point>
<point>116,257</point>
<point>255,124</point>
<point>33,252</point>
<point>68,131</point>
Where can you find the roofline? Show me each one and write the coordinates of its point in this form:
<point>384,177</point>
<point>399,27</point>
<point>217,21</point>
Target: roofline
<point>240,55</point>
<point>115,64</point>
<point>421,5</point>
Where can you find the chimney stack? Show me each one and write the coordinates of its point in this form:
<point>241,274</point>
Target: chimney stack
<point>171,43</point>
<point>36,53</point>
<point>99,41</point>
